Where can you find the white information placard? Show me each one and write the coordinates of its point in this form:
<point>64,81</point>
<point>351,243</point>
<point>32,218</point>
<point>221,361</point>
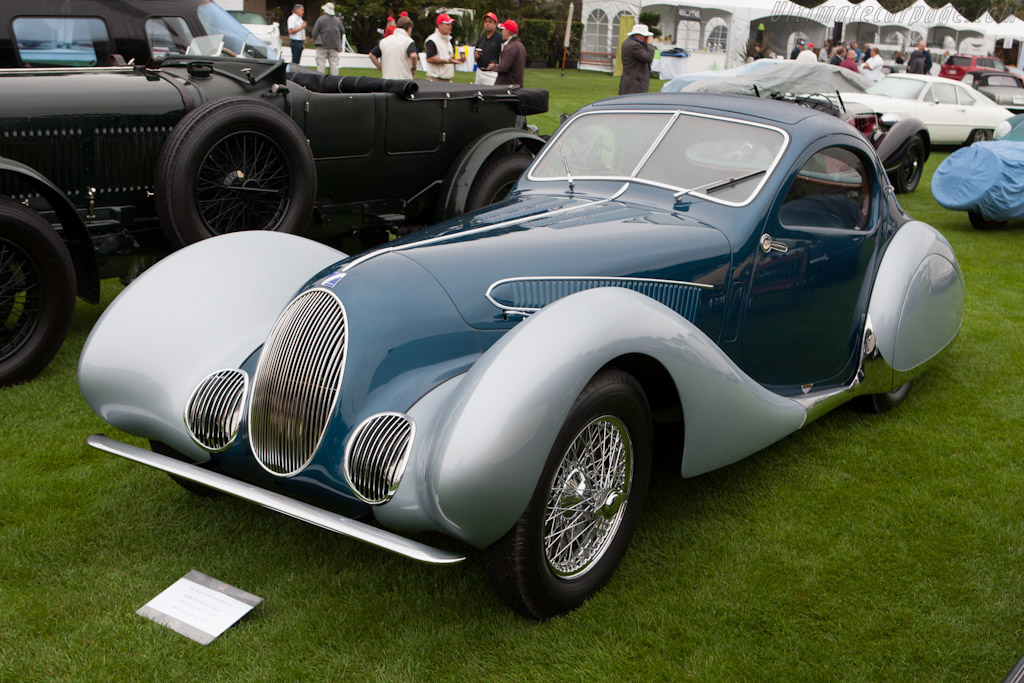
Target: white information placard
<point>199,607</point>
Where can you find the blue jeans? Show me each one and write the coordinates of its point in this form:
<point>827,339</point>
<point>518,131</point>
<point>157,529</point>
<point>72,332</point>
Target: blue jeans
<point>296,50</point>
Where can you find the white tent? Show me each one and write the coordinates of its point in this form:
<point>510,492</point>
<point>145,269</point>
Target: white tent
<point>715,32</point>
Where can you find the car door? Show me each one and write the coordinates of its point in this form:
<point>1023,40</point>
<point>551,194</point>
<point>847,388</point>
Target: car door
<point>804,311</point>
<point>944,115</point>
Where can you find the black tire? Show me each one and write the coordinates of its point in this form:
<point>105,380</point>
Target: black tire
<point>37,293</point>
<point>908,175</point>
<point>882,403</point>
<point>978,135</point>
<point>521,566</point>
<point>187,484</point>
<point>982,223</point>
<point>495,180</point>
<point>234,164</point>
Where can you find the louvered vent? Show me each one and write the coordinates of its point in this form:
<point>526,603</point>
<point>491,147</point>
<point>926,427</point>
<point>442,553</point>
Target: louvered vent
<point>532,294</point>
<point>376,456</point>
<point>215,409</point>
<point>297,382</point>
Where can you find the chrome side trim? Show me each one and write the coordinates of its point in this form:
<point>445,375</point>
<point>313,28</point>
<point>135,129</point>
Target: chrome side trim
<point>279,503</point>
<point>572,284</point>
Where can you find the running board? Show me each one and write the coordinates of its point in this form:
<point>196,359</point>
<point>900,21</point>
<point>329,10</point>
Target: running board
<point>278,503</point>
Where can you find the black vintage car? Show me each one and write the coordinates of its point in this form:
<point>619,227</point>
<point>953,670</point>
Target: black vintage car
<point>105,169</point>
<point>48,33</point>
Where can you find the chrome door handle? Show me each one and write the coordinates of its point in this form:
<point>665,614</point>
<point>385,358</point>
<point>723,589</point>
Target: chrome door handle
<point>768,244</point>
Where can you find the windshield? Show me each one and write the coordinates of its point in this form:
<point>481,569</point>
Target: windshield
<point>248,17</point>
<point>719,159</point>
<point>237,40</point>
<point>903,88</point>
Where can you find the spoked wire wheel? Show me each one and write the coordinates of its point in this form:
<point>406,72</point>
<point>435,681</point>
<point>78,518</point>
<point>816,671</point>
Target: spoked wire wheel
<point>585,507</point>
<point>20,298</point>
<point>588,497</point>
<point>243,184</point>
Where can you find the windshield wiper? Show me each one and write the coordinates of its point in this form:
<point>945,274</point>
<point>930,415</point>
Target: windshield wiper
<point>565,162</point>
<point>716,185</point>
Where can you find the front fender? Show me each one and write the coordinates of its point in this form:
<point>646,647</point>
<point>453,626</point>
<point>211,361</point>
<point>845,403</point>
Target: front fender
<point>897,139</point>
<point>498,427</point>
<point>469,162</point>
<point>917,300</point>
<point>203,308</point>
<point>73,230</point>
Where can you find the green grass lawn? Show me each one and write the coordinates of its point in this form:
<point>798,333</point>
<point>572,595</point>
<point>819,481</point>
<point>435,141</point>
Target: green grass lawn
<point>863,547</point>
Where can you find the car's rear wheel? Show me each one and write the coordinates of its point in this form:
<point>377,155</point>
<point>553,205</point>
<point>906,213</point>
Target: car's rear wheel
<point>234,164</point>
<point>581,517</point>
<point>881,403</point>
<point>909,173</point>
<point>37,293</point>
<point>493,183</point>
<point>982,223</point>
<point>978,135</point>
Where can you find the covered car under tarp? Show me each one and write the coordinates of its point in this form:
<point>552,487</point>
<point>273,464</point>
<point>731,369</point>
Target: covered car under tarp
<point>787,77</point>
<point>986,178</point>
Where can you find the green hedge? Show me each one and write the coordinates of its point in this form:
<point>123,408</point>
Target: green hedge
<point>536,37</point>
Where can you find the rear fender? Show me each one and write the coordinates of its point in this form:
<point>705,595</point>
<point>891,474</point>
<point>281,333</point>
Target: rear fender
<point>469,162</point>
<point>204,308</point>
<point>917,300</point>
<point>73,231</point>
<point>494,435</point>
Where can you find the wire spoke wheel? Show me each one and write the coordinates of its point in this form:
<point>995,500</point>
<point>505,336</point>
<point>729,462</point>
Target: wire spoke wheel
<point>588,497</point>
<point>243,184</point>
<point>586,503</point>
<point>20,298</point>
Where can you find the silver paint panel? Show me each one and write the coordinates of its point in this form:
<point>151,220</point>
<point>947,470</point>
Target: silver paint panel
<point>917,302</point>
<point>278,503</point>
<point>203,308</point>
<point>486,452</point>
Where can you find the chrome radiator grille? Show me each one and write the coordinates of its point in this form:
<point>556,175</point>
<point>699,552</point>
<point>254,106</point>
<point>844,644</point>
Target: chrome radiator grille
<point>376,456</point>
<point>215,409</point>
<point>297,382</point>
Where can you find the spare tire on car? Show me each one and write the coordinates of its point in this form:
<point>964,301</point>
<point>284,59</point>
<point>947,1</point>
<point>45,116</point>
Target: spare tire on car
<point>230,165</point>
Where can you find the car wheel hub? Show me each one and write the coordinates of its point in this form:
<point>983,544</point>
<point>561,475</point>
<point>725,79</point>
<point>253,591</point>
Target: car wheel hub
<point>588,497</point>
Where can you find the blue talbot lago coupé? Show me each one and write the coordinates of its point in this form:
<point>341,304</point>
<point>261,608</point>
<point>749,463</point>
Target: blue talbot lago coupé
<point>728,267</point>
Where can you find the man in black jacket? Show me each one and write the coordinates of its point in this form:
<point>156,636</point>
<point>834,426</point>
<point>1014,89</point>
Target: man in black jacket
<point>637,55</point>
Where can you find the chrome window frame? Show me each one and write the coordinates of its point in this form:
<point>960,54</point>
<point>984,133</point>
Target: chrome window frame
<point>674,116</point>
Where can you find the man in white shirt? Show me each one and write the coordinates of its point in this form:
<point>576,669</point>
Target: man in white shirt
<point>807,54</point>
<point>297,32</point>
<point>873,67</point>
<point>396,56</point>
<point>441,59</point>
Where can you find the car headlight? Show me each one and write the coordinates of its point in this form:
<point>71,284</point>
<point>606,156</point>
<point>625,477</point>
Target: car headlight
<point>889,120</point>
<point>1002,130</point>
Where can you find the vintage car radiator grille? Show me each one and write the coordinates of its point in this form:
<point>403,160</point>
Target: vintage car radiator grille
<point>376,456</point>
<point>297,382</point>
<point>215,409</point>
<point>532,294</point>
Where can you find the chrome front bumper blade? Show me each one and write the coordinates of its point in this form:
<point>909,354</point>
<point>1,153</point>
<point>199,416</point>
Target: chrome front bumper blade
<point>279,503</point>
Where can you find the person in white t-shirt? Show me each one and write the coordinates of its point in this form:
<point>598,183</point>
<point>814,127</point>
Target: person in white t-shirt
<point>297,32</point>
<point>873,67</point>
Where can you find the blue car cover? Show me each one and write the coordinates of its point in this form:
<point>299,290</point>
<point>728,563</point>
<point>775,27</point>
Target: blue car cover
<point>986,178</point>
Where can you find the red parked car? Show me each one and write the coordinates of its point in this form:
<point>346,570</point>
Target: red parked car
<point>957,66</point>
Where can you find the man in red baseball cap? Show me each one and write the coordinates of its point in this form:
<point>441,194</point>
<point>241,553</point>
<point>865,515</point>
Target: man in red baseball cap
<point>512,66</point>
<point>440,53</point>
<point>488,49</point>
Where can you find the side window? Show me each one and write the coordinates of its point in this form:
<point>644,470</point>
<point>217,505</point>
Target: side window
<point>167,36</point>
<point>62,41</point>
<point>966,97</point>
<point>832,190</point>
<point>927,96</point>
<point>944,94</point>
<point>968,79</point>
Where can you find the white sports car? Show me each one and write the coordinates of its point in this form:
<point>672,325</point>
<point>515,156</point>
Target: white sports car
<point>953,112</point>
